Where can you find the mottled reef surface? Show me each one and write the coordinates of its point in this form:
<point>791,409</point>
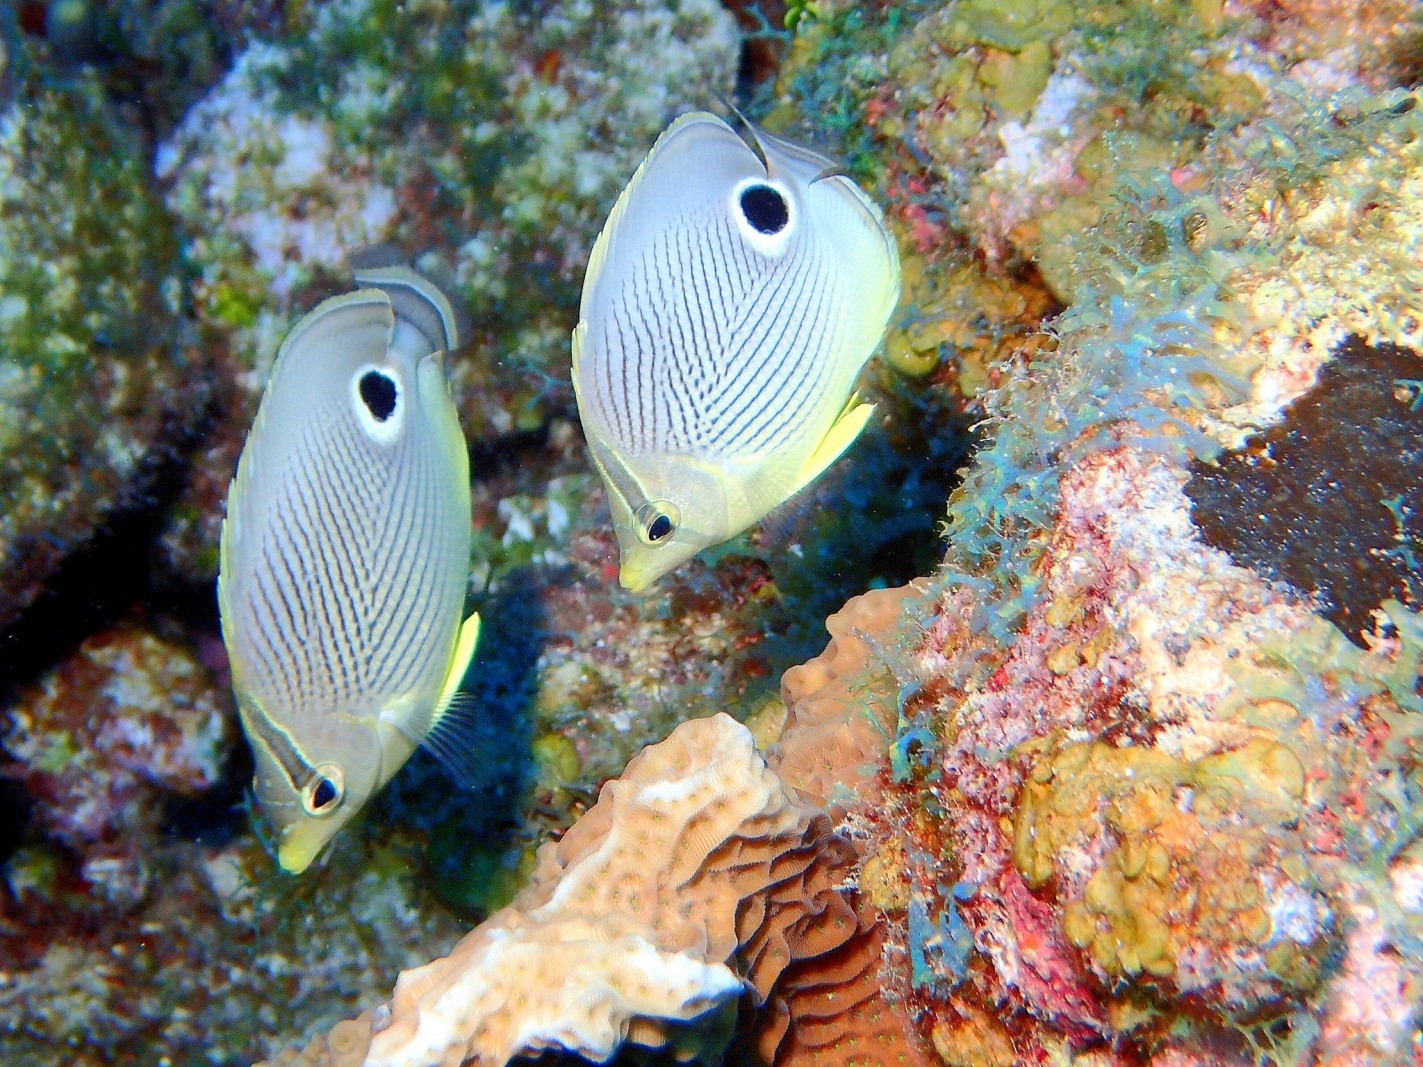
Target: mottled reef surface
<point>1132,771</point>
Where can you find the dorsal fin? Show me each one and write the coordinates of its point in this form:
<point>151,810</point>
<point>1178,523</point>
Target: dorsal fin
<point>417,301</point>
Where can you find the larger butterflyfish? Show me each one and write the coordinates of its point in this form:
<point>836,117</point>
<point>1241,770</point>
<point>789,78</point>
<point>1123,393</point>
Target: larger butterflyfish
<point>345,558</point>
<point>730,303</point>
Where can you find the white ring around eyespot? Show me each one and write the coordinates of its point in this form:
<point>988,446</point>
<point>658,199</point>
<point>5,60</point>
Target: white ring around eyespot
<point>772,245</point>
<point>387,432</point>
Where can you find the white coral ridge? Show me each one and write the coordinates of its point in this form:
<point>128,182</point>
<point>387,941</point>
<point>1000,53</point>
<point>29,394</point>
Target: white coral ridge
<point>623,934</point>
<point>586,1008</point>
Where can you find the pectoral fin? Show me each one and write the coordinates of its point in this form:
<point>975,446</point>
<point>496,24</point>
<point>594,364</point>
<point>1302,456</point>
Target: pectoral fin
<point>459,664</point>
<point>838,438</point>
<point>453,734</point>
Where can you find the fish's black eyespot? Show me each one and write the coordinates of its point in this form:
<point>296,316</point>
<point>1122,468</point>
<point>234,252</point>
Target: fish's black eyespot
<point>765,209</point>
<point>379,394</point>
<point>659,528</point>
<point>323,794</point>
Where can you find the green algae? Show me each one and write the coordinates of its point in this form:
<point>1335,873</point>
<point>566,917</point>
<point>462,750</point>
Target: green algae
<point>89,292</point>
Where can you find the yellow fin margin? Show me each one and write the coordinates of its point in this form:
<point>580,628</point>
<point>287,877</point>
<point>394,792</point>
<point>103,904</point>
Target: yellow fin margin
<point>839,437</point>
<point>459,663</point>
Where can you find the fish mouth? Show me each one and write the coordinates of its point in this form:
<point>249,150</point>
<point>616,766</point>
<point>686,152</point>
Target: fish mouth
<point>296,856</point>
<point>635,579</point>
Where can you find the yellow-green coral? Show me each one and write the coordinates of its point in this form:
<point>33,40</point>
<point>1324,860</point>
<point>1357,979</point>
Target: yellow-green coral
<point>1181,854</point>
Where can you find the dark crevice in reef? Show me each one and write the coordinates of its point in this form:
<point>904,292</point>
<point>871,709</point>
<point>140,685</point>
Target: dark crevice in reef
<point>101,582</point>
<point>15,806</point>
<point>1330,500</point>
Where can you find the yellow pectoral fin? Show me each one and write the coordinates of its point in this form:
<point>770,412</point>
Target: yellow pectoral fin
<point>459,663</point>
<point>838,438</point>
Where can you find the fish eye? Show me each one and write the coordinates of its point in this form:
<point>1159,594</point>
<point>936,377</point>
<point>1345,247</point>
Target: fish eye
<point>657,520</point>
<point>379,393</point>
<point>765,208</point>
<point>324,791</point>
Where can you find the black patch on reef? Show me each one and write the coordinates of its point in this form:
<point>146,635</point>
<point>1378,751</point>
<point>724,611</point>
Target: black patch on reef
<point>14,816</point>
<point>1331,500</point>
<point>765,209</point>
<point>378,393</point>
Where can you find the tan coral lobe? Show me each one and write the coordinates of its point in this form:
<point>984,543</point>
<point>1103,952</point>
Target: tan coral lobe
<point>698,878</point>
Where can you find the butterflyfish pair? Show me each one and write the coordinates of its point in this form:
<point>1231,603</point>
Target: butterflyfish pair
<point>345,558</point>
<point>729,304</point>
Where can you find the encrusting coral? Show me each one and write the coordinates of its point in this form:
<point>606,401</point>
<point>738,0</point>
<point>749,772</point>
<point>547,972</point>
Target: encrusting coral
<point>696,882</point>
<point>90,279</point>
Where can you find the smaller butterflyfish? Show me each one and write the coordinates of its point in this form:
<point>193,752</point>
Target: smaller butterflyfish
<point>730,302</point>
<point>345,558</point>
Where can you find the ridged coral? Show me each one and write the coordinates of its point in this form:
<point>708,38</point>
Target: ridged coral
<point>839,722</point>
<point>696,879</point>
<point>846,1006</point>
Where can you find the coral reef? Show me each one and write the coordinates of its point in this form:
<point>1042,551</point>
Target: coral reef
<point>695,881</point>
<point>104,739</point>
<point>1133,776</point>
<point>89,304</point>
<point>1132,789</point>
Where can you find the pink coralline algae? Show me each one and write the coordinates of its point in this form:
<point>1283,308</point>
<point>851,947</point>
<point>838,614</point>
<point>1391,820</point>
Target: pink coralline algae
<point>1170,789</point>
<point>1168,817</point>
<point>101,740</point>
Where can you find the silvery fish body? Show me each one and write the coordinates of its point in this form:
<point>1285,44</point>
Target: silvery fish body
<point>345,556</point>
<point>730,303</point>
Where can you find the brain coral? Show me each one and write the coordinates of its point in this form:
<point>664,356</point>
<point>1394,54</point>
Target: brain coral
<point>696,880</point>
<point>837,721</point>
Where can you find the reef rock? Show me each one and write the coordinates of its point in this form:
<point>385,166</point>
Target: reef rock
<point>89,288</point>
<point>128,720</point>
